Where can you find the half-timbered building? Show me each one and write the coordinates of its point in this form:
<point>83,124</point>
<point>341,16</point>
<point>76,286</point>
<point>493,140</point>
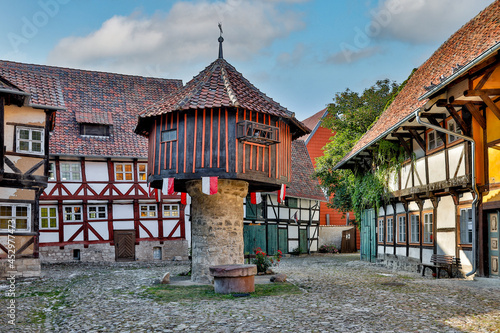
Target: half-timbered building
<point>97,205</point>
<point>28,104</point>
<point>444,200</point>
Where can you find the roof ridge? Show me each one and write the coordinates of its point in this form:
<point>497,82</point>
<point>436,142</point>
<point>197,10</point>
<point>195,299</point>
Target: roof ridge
<point>229,89</point>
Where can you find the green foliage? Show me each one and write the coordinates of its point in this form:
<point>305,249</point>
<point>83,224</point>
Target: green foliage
<point>328,248</point>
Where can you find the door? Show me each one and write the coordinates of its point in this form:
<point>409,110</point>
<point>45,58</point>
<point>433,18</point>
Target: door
<point>124,245</point>
<point>493,243</point>
<point>283,240</point>
<point>303,240</point>
<point>272,239</point>
<point>254,236</point>
<point>368,236</point>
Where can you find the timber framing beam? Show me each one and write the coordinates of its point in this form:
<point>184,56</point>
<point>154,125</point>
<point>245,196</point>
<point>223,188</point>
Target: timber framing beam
<point>403,143</point>
<point>417,138</point>
<point>460,122</point>
<point>474,111</point>
<point>434,122</point>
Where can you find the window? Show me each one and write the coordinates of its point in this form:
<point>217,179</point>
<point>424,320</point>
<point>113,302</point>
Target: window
<point>428,229</point>
<point>97,212</point>
<point>142,169</point>
<point>71,171</point>
<point>148,211</point>
<point>18,214</point>
<point>29,140</point>
<point>401,229</point>
<point>390,235</point>
<point>251,131</point>
<point>291,202</point>
<point>381,230</point>
<point>466,226</point>
<point>414,229</point>
<point>72,213</point>
<point>169,135</point>
<point>52,171</point>
<point>452,126</point>
<point>123,171</point>
<point>95,129</point>
<point>253,211</point>
<point>170,210</point>
<point>48,217</point>
<point>433,140</point>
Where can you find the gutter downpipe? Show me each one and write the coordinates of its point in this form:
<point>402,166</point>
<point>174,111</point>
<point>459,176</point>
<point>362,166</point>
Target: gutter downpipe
<point>474,187</point>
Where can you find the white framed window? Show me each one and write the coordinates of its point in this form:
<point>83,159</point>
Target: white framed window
<point>170,210</point>
<point>29,140</point>
<point>72,213</point>
<point>401,229</point>
<point>414,228</point>
<point>142,172</point>
<point>71,171</point>
<point>381,230</point>
<point>452,126</point>
<point>428,228</point>
<point>124,172</point>
<point>48,217</point>
<point>433,140</point>
<point>466,226</point>
<point>390,235</point>
<point>147,210</point>
<point>52,171</point>
<point>18,214</point>
<point>97,212</point>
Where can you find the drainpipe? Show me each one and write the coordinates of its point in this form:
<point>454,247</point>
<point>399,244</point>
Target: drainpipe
<point>476,193</point>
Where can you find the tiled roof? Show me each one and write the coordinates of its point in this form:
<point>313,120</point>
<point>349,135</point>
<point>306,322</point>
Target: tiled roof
<point>44,90</point>
<point>313,122</point>
<point>121,96</point>
<point>5,85</point>
<point>469,42</point>
<point>220,85</point>
<point>302,184</point>
<point>94,117</point>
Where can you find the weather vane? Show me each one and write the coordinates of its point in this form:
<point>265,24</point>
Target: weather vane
<point>220,41</point>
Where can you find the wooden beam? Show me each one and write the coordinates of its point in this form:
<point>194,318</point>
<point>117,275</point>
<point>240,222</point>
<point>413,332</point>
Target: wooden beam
<point>433,115</point>
<point>460,122</point>
<point>485,77</point>
<point>403,143</point>
<point>417,138</point>
<point>2,145</point>
<point>474,111</point>
<point>443,103</point>
<point>493,107</point>
<point>416,128</point>
<point>480,92</point>
<point>434,122</point>
<point>404,135</point>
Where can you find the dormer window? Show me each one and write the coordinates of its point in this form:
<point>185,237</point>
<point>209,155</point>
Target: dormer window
<point>95,123</point>
<point>95,129</point>
<point>250,131</point>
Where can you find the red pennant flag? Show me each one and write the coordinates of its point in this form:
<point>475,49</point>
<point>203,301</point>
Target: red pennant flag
<point>157,195</point>
<point>281,193</point>
<point>255,198</point>
<point>209,185</point>
<point>185,198</point>
<point>168,186</point>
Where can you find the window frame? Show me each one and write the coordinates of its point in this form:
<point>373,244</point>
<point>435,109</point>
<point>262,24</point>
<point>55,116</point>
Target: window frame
<point>30,140</point>
<point>73,213</point>
<point>381,228</point>
<point>467,222</point>
<point>71,173</point>
<point>170,210</point>
<point>97,206</point>
<point>390,231</point>
<point>425,229</point>
<point>437,138</point>
<point>139,172</point>
<point>168,132</point>
<point>411,229</point>
<point>404,234</point>
<point>124,172</point>
<point>148,210</point>
<point>13,216</point>
<point>56,217</point>
<point>52,170</point>
<point>88,127</point>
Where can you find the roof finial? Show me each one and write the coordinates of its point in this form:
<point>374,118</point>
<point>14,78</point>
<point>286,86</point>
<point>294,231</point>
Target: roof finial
<point>220,41</point>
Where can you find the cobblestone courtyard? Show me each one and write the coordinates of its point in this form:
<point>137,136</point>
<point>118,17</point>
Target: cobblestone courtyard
<point>340,294</point>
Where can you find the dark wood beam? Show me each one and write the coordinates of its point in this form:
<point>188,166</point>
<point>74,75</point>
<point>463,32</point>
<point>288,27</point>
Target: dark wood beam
<point>485,77</point>
<point>404,135</point>
<point>416,128</point>
<point>493,107</point>
<point>433,115</point>
<point>460,122</point>
<point>478,70</point>
<point>417,138</point>
<point>443,103</point>
<point>403,143</point>
<point>480,92</point>
<point>474,111</point>
<point>2,142</point>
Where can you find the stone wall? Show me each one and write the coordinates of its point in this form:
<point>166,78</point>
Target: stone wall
<point>170,250</point>
<point>217,227</point>
<point>24,267</point>
<point>330,234</point>
<point>395,262</point>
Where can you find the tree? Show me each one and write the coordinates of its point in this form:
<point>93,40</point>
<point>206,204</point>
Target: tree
<point>350,116</point>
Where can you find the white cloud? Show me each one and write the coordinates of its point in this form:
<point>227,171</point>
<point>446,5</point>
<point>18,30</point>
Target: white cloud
<point>422,21</point>
<point>165,42</point>
<point>348,55</point>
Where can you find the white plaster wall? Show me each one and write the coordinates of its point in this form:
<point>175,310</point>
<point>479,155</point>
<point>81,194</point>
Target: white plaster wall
<point>72,187</point>
<point>400,208</point>
<point>405,173</point>
<point>168,225</point>
<point>389,249</point>
<point>270,213</point>
<point>390,210</point>
<point>69,230</point>
<point>123,188</point>
<point>316,215</point>
<point>414,252</point>
<point>445,216</point>
<point>401,251</point>
<point>427,205</point>
<point>380,249</point>
<point>293,231</point>
<point>466,197</point>
<point>420,170</point>
<point>101,228</point>
<point>292,245</point>
<point>393,182</point>
<point>96,171</point>
<point>98,188</point>
<point>283,213</point>
<point>465,260</point>
<point>123,211</point>
<point>436,164</point>
<point>381,212</point>
<point>152,227</point>
<point>413,207</point>
<point>454,154</point>
<point>445,242</point>
<point>123,225</point>
<point>304,214</point>
<point>49,188</point>
<point>426,256</point>
<point>49,237</point>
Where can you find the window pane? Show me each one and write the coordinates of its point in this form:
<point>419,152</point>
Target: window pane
<point>36,147</point>
<point>64,167</point>
<point>4,223</point>
<point>22,224</point>
<point>24,145</point>
<point>75,167</point>
<point>78,217</point>
<point>21,211</point>
<point>119,176</point>
<point>102,208</point>
<point>5,211</point>
<point>118,167</point>
<point>77,209</point>
<point>45,223</point>
<point>24,134</point>
<point>53,223</point>
<point>44,212</point>
<point>128,167</point>
<point>36,135</point>
<point>128,176</point>
<point>76,175</point>
<point>142,167</point>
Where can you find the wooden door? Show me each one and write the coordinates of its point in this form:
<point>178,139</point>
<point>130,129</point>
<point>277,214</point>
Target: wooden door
<point>254,236</point>
<point>283,240</point>
<point>493,243</point>
<point>272,239</point>
<point>124,245</point>
<point>368,236</point>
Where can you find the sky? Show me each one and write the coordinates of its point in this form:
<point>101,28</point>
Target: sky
<point>298,52</point>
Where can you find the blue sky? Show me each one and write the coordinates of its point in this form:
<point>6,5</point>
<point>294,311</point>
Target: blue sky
<point>298,52</point>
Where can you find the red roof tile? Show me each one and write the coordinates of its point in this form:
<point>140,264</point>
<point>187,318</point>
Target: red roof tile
<point>94,117</point>
<point>120,96</point>
<point>302,184</point>
<point>469,42</point>
<point>221,85</point>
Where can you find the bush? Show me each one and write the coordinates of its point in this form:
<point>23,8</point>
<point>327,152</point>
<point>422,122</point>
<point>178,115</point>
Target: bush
<point>328,248</point>
<point>297,251</point>
<point>263,261</point>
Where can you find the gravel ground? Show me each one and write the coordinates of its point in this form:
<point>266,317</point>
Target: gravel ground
<point>340,294</point>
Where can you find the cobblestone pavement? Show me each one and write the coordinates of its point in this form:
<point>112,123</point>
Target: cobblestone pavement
<point>341,294</point>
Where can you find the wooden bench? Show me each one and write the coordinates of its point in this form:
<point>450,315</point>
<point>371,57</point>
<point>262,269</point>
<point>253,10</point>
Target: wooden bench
<point>441,262</point>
